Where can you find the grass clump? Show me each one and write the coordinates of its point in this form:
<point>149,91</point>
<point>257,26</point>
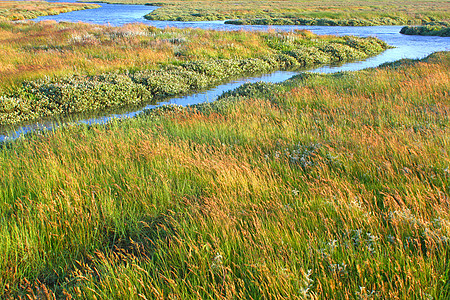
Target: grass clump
<point>325,186</point>
<point>22,10</point>
<point>183,61</point>
<point>431,30</point>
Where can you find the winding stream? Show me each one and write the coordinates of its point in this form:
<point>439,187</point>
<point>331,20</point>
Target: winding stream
<point>117,14</point>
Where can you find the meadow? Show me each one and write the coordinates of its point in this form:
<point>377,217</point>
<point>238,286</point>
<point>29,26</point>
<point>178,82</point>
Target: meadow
<point>53,69</point>
<point>322,187</point>
<point>22,10</point>
<point>301,12</point>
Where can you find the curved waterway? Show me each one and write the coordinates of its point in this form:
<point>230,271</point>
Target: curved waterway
<point>414,47</point>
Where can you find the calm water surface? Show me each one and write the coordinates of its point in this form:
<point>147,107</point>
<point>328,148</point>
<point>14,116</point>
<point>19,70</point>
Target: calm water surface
<point>118,14</point>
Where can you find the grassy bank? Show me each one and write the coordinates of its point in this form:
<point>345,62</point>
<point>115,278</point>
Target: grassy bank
<point>351,21</point>
<point>326,186</point>
<point>432,30</point>
<point>315,12</point>
<point>92,68</point>
<point>22,10</point>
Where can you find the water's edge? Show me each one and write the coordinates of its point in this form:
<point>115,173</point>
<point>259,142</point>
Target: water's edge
<point>195,98</point>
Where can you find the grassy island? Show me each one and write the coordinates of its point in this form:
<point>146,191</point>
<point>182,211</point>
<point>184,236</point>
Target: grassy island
<point>431,30</point>
<point>53,69</point>
<point>301,12</point>
<point>22,10</point>
<point>322,187</point>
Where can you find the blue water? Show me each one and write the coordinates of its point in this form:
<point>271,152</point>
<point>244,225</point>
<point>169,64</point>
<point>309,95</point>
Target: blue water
<point>107,14</point>
<point>116,15</point>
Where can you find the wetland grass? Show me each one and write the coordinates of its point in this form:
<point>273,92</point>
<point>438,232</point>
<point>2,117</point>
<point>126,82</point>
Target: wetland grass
<point>51,69</point>
<point>301,12</point>
<point>431,30</point>
<point>322,187</point>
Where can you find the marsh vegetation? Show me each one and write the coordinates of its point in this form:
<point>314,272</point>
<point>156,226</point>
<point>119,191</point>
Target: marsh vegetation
<point>300,12</point>
<point>431,30</point>
<point>325,186</point>
<point>321,187</point>
<point>116,66</point>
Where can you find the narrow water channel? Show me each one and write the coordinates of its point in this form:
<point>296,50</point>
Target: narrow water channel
<point>117,14</point>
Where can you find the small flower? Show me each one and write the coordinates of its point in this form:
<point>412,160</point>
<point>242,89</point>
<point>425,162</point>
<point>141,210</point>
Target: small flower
<point>339,269</point>
<point>217,264</point>
<point>391,239</point>
<point>364,294</point>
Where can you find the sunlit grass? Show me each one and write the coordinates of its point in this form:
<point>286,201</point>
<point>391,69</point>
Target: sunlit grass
<point>327,186</point>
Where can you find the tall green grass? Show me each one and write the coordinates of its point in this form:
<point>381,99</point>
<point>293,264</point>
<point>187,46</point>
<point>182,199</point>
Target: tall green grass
<point>325,186</point>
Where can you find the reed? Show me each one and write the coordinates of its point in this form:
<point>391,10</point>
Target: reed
<point>322,187</point>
